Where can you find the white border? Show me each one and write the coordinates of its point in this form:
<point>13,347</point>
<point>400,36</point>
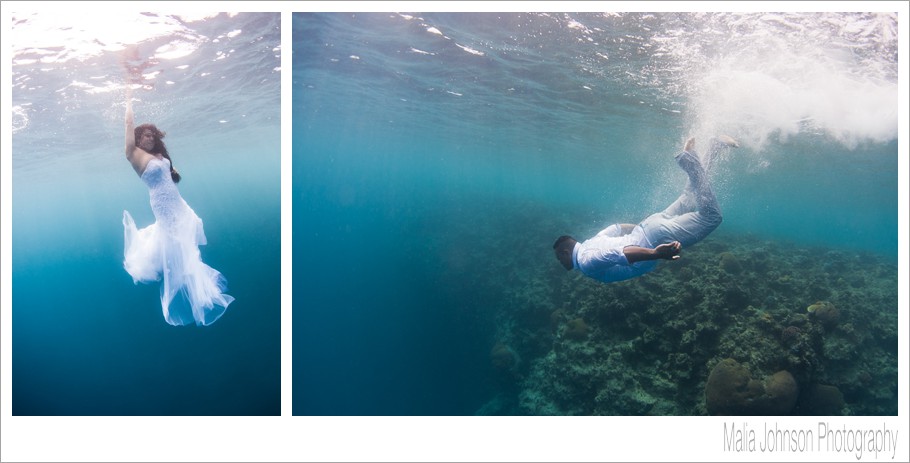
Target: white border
<point>286,215</point>
<point>289,438</point>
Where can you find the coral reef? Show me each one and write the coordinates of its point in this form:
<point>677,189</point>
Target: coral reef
<point>725,330</point>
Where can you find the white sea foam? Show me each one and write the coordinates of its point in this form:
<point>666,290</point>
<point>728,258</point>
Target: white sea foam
<point>777,75</point>
<point>757,105</point>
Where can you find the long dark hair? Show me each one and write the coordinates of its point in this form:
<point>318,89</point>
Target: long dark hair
<point>159,146</point>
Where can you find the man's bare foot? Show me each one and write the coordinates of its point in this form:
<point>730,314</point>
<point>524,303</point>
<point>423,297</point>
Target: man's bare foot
<point>690,144</point>
<point>728,140</point>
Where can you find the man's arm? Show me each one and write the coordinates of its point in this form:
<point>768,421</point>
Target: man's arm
<point>669,251</point>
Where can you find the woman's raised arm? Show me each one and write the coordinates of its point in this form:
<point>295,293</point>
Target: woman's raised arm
<point>130,135</point>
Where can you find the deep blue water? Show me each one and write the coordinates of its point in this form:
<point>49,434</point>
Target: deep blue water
<point>86,340</point>
<point>435,155</point>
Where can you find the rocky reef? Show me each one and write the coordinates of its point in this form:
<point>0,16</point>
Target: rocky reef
<point>738,326</point>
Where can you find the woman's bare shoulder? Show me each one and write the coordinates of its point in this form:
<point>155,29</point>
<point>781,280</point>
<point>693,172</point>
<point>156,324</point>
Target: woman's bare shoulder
<point>140,158</point>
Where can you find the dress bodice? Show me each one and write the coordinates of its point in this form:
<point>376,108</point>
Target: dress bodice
<point>165,199</point>
<point>156,172</point>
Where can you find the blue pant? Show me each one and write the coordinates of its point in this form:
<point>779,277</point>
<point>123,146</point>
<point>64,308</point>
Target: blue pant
<point>695,214</point>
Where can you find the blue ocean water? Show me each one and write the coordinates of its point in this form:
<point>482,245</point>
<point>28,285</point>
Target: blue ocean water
<point>86,340</point>
<point>437,156</point>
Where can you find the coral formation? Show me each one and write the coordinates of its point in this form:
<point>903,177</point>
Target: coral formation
<point>780,395</point>
<point>822,400</point>
<point>731,390</point>
<point>576,329</point>
<point>790,335</point>
<point>729,263</point>
<point>503,357</point>
<point>825,312</point>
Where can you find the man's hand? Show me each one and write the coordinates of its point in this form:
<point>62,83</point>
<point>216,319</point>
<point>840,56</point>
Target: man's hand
<point>669,251</point>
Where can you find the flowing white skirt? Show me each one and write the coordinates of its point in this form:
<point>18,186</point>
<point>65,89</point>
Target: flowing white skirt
<point>191,291</point>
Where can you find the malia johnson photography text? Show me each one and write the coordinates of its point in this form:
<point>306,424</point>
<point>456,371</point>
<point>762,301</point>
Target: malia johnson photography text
<point>880,442</point>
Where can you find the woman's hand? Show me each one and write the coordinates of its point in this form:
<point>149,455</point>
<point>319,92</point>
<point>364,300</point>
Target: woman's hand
<point>134,66</point>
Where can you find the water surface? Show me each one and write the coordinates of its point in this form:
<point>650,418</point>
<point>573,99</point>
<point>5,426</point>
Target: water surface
<point>86,340</point>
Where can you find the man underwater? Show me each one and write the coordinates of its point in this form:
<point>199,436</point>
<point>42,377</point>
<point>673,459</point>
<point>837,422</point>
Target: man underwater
<point>623,251</point>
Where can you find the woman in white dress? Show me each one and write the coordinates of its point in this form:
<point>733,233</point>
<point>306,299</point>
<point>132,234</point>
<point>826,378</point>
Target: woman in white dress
<point>168,250</point>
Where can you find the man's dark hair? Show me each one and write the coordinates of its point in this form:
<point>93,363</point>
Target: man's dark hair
<point>560,240</point>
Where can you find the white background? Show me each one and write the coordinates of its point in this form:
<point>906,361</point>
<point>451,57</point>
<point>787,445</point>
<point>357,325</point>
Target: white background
<point>290,438</point>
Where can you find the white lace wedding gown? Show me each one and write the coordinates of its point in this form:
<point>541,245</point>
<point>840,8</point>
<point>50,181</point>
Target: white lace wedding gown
<point>168,251</point>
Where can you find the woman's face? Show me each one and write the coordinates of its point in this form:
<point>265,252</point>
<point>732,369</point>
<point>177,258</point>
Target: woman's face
<point>146,140</point>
